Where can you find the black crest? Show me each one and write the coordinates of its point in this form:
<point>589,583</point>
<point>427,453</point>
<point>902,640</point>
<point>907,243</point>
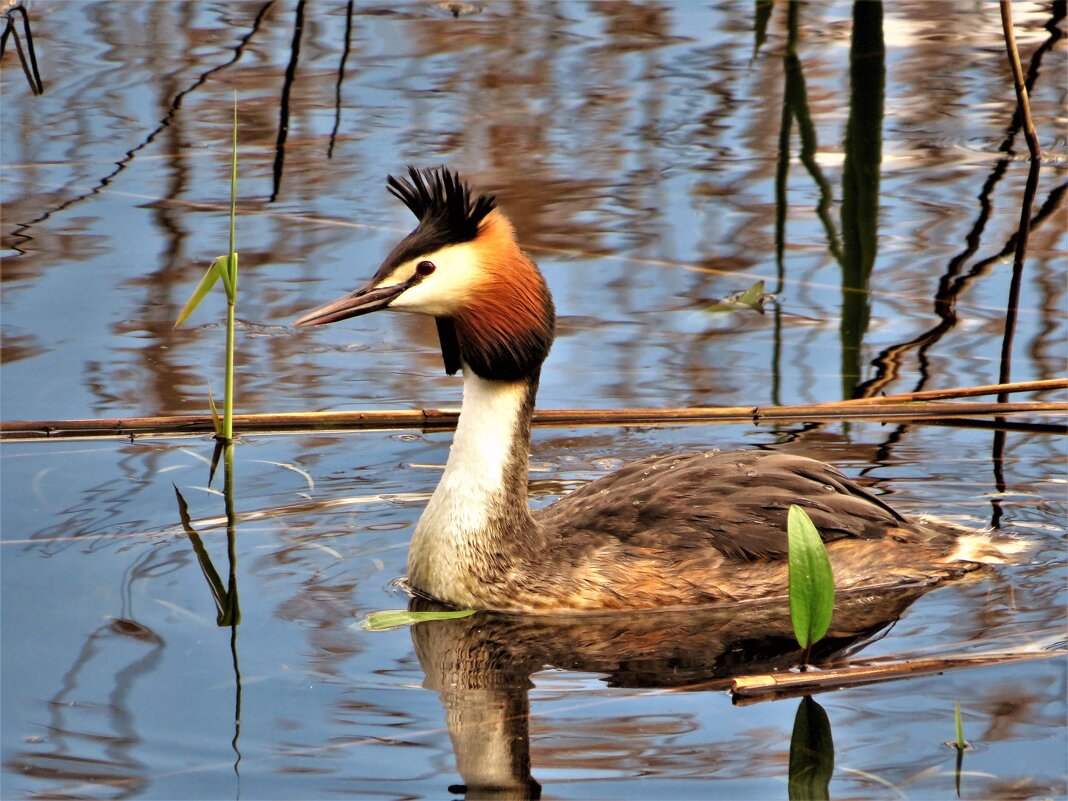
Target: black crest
<point>449,213</point>
<point>442,202</point>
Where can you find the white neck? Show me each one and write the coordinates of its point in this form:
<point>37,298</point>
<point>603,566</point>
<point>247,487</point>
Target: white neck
<point>481,501</point>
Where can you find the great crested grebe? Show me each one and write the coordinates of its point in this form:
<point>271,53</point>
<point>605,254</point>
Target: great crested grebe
<point>677,530</point>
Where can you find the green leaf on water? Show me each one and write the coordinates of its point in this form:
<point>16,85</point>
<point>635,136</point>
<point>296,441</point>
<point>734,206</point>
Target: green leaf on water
<point>395,618</point>
<point>811,579</point>
<point>751,298</point>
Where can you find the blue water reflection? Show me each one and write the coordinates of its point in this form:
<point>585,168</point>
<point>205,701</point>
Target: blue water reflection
<point>637,148</point>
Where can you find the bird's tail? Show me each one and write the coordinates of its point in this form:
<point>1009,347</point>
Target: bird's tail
<point>981,547</point>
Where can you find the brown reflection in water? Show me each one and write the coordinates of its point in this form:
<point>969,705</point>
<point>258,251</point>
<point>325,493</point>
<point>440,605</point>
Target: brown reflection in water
<point>1008,707</point>
<point>952,285</point>
<point>19,346</point>
<point>157,17</point>
<point>482,667</point>
<point>516,130</point>
<point>75,749</point>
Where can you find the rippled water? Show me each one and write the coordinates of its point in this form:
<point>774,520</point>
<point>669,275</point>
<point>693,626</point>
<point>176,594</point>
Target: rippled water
<point>638,148</point>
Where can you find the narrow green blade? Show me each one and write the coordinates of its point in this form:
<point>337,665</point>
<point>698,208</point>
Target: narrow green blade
<point>222,266</point>
<point>216,423</point>
<point>395,618</point>
<point>811,579</point>
<point>217,270</point>
<point>961,744</point>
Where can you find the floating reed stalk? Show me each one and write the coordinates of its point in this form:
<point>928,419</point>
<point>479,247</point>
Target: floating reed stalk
<point>444,419</point>
<point>771,686</point>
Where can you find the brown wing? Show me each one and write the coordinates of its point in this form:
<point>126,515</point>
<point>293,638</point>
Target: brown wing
<point>735,502</point>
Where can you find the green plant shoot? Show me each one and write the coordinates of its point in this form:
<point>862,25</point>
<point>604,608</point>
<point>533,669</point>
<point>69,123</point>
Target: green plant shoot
<point>222,268</point>
<point>811,580</point>
<point>961,743</point>
<point>395,618</point>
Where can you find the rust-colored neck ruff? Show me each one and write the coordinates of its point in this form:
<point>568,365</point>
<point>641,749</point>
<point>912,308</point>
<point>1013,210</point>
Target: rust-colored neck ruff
<point>507,328</point>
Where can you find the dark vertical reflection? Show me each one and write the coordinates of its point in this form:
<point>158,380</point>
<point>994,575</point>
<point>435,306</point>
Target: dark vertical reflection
<point>860,182</point>
<point>952,285</point>
<point>30,70</point>
<point>782,173</point>
<point>169,218</point>
<point>797,99</point>
<point>795,106</point>
<point>341,78</point>
<point>1005,371</point>
<point>227,605</point>
<point>233,616</point>
<point>287,87</point>
<point>957,770</point>
<point>811,753</point>
<point>761,15</point>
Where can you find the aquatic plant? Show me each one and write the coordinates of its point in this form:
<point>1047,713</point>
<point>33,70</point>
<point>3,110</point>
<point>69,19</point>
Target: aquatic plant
<point>395,618</point>
<point>961,743</point>
<point>811,582</point>
<point>222,268</point>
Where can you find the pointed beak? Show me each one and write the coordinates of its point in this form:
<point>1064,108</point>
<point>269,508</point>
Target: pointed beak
<point>363,301</point>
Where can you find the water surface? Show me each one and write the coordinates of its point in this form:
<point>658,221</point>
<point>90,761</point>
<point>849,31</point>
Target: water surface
<point>640,151</point>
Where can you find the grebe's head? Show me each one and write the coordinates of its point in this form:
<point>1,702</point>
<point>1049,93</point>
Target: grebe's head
<point>461,265</point>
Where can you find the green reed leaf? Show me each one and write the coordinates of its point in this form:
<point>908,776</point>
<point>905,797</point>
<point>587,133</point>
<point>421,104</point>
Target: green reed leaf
<point>218,269</point>
<point>216,423</point>
<point>395,618</point>
<point>227,272</point>
<point>811,579</point>
<point>211,275</point>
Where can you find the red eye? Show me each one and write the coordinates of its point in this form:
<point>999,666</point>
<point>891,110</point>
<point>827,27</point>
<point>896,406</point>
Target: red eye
<point>425,268</point>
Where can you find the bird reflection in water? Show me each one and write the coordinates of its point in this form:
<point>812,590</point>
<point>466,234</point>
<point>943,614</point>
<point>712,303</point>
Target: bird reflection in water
<point>482,665</point>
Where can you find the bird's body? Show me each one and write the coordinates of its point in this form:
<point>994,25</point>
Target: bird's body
<point>666,531</point>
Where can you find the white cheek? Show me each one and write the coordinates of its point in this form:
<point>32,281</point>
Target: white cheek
<point>445,290</point>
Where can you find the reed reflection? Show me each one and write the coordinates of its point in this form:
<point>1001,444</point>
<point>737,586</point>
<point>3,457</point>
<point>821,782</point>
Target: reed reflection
<point>89,741</point>
<point>27,57</point>
<point>227,606</point>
